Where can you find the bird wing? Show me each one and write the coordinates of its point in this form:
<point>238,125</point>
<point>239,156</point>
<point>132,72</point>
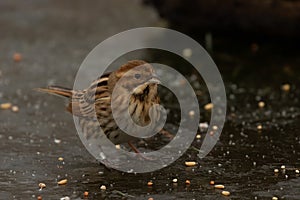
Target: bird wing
<point>95,98</point>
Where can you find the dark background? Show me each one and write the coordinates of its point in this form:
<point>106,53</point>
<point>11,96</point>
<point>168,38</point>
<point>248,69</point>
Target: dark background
<point>255,45</point>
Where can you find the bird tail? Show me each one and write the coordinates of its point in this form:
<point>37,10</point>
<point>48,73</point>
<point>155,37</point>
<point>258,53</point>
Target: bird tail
<point>57,90</point>
<point>75,105</point>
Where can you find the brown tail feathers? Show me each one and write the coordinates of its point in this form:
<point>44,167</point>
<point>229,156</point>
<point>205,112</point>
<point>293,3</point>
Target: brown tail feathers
<point>73,105</point>
<point>57,90</point>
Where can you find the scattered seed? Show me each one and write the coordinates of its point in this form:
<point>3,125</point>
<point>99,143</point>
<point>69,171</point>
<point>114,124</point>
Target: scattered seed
<point>219,186</point>
<point>17,57</point>
<point>118,147</point>
<point>15,109</point>
<point>39,197</point>
<point>65,198</point>
<point>276,170</point>
<point>5,106</point>
<point>297,171</point>
<point>188,182</point>
<point>42,185</point>
<point>225,193</point>
<point>212,182</point>
<point>198,136</point>
<point>100,173</point>
<point>187,52</point>
<point>203,126</point>
<point>282,167</point>
<point>62,182</point>
<point>286,87</point>
<point>150,198</point>
<point>215,128</point>
<point>60,159</point>
<point>190,163</point>
<point>86,193</point>
<point>261,104</point>
<point>175,180</point>
<point>208,106</point>
<point>103,187</point>
<point>150,183</point>
<point>274,198</point>
<point>57,141</point>
<point>191,113</point>
<point>259,127</point>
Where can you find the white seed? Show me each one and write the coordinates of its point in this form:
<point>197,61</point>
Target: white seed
<point>62,182</point>
<point>190,163</point>
<point>198,136</point>
<point>261,104</point>
<point>225,193</point>
<point>282,167</point>
<point>150,183</point>
<point>57,141</point>
<point>274,198</point>
<point>103,187</point>
<point>259,127</point>
<point>203,126</point>
<point>187,52</point>
<point>15,109</point>
<point>276,170</point>
<point>215,128</point>
<point>42,185</point>
<point>191,113</point>
<point>297,171</point>
<point>219,186</point>
<point>118,147</point>
<point>65,198</point>
<point>175,180</point>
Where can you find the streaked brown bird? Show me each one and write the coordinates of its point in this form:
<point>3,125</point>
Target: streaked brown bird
<point>141,83</point>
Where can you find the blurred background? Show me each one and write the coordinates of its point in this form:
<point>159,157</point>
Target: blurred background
<point>255,45</point>
<point>241,35</point>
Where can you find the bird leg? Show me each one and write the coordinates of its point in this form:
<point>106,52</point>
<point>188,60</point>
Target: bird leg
<point>138,152</point>
<point>166,134</point>
<point>133,148</point>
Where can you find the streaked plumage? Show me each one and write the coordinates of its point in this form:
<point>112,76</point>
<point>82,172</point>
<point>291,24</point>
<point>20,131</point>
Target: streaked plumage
<point>97,97</point>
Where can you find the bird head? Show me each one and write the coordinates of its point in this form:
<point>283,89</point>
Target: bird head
<point>137,77</point>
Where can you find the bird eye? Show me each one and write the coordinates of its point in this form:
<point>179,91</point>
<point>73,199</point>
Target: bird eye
<point>137,76</point>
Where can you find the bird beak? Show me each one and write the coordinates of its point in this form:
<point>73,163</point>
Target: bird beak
<point>154,79</point>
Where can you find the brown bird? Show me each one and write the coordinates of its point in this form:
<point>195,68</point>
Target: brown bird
<point>93,105</point>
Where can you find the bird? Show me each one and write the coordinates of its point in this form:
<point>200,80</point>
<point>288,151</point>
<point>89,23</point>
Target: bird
<point>93,105</point>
